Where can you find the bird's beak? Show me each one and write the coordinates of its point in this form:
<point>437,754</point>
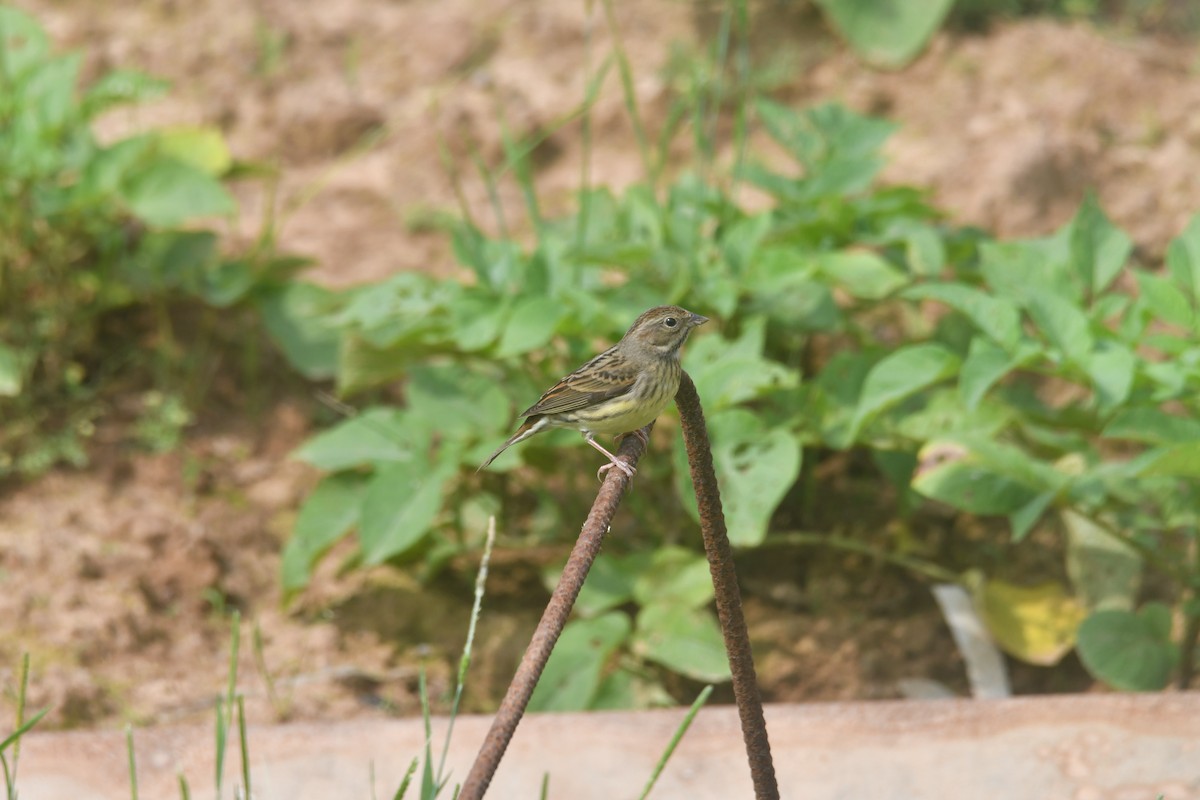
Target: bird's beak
<point>698,320</point>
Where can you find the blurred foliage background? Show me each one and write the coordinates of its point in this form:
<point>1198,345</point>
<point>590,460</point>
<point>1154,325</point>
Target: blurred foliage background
<point>1046,384</point>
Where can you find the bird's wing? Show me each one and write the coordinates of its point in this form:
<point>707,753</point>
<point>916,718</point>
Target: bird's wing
<point>606,376</point>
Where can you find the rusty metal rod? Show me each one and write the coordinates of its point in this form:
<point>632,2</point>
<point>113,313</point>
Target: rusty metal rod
<point>587,547</point>
<point>728,597</point>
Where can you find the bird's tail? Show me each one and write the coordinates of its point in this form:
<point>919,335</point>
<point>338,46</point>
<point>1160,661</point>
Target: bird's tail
<point>524,432</point>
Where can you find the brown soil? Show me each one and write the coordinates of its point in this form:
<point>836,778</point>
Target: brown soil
<point>118,579</point>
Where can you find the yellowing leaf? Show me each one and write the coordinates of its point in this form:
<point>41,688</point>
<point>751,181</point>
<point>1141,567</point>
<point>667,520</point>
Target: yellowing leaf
<point>1036,624</point>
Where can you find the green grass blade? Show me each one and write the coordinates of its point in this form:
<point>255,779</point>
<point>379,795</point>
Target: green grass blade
<point>185,792</point>
<point>625,73</point>
<point>133,787</point>
<point>408,776</point>
<point>465,662</point>
<point>679,732</point>
<point>244,744</point>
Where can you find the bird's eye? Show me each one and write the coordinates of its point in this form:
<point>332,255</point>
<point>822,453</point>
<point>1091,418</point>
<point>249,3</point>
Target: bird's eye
<point>670,322</point>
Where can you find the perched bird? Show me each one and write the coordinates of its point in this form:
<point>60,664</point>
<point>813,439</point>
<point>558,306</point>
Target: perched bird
<point>619,391</point>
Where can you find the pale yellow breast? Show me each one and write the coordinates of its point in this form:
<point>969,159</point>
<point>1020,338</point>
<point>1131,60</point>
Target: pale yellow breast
<point>653,393</point>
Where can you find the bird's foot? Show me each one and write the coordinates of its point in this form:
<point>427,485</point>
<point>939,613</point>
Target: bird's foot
<point>628,469</point>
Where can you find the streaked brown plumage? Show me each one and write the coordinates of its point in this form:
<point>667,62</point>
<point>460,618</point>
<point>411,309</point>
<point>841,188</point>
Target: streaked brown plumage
<point>619,391</point>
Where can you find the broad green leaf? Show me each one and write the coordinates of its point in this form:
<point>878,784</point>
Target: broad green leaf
<point>1183,260</point>
<point>169,192</point>
<point>298,318</point>
<point>1105,571</point>
<point>926,252</point>
<point>1165,300</point>
<point>942,416</point>
<point>674,575</point>
<point>23,42</point>
<point>985,365</point>
<point>887,33</point>
<point>949,474</point>
<point>452,400</point>
<point>531,325</point>
<point>901,375</point>
<point>10,370</point>
<point>1099,249</point>
<point>328,513</point>
<point>1036,624</point>
<point>1026,270</point>
<point>202,147</point>
<point>1153,426</point>
<point>1111,369</point>
<point>479,318</point>
<point>730,372</point>
<point>1063,323</point>
<point>625,689</point>
<point>374,436</point>
<point>1179,460</point>
<point>755,467</point>
<point>609,583</point>
<point>571,679</point>
<point>862,273</point>
<point>1129,651</point>
<point>401,502</point>
<point>682,639</point>
<point>997,317</point>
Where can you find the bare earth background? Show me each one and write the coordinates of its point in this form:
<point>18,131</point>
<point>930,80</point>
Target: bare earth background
<point>117,579</point>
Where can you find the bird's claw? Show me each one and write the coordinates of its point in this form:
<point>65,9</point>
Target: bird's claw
<point>621,465</point>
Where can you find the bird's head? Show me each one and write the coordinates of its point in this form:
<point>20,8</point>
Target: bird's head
<point>664,329</point>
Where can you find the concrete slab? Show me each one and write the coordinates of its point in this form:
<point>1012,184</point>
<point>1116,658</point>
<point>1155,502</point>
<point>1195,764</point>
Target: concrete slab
<point>1082,747</point>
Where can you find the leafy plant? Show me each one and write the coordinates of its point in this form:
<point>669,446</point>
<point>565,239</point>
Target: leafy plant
<point>97,241</point>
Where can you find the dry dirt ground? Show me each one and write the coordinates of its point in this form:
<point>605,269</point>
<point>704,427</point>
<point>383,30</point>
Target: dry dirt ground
<point>118,579</point>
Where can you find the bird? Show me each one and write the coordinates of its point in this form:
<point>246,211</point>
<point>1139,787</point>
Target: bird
<point>618,392</point>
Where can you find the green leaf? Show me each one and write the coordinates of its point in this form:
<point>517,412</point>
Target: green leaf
<point>682,639</point>
<point>532,324</point>
<point>201,147</point>
<point>862,273</point>
<point>121,87</point>
<point>1152,425</point>
<point>926,252</point>
<point>1132,652</point>
<point>755,468</point>
<point>1111,369</point>
<point>898,376</point>
<point>401,503</point>
<point>10,367</point>
<point>949,473</point>
<point>169,192</point>
<point>23,43</point>
<point>674,575</point>
<point>375,436</point>
<point>1099,249</point>
<point>1105,571</point>
<point>609,583</point>
<point>1026,270</point>
<point>1183,260</point>
<point>328,513</point>
<point>456,401</point>
<point>571,679</point>
<point>730,372</point>
<point>1165,300</point>
<point>998,318</point>
<point>887,33</point>
<point>1023,519</point>
<point>1180,460</point>
<point>298,318</point>
<point>985,365</point>
<point>1064,324</point>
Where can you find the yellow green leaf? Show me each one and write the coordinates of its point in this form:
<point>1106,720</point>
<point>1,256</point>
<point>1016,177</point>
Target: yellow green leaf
<point>1036,624</point>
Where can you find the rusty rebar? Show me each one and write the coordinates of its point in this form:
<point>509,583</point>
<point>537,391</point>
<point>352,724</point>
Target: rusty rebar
<point>728,597</point>
<point>587,547</point>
